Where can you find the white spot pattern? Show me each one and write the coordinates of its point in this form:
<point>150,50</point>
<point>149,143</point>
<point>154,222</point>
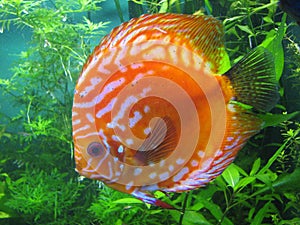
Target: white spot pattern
<point>194,163</point>
<point>106,90</point>
<point>107,108</point>
<point>179,161</point>
<point>146,109</point>
<point>137,171</point>
<point>180,174</point>
<point>90,118</point>
<point>126,104</point>
<point>147,130</point>
<point>129,141</point>
<point>136,118</point>
<point>129,185</point>
<point>152,175</point>
<point>201,154</point>
<point>171,168</point>
<point>164,176</point>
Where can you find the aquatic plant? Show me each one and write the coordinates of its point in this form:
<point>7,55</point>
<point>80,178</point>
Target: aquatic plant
<point>41,185</point>
<point>38,181</point>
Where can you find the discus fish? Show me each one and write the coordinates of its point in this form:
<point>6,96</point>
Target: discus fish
<point>151,111</point>
<point>292,8</point>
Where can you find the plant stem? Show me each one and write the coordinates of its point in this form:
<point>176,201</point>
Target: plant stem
<point>183,207</point>
<point>229,203</point>
<point>118,7</point>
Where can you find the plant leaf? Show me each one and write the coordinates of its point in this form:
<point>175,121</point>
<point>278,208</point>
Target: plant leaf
<point>273,158</point>
<point>260,214</point>
<point>231,175</point>
<point>128,201</point>
<point>273,43</point>
<point>192,217</point>
<point>215,210</point>
<point>275,119</point>
<point>244,182</point>
<point>255,167</point>
<point>288,181</point>
<point>245,29</point>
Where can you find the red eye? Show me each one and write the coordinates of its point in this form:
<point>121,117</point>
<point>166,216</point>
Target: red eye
<point>95,149</point>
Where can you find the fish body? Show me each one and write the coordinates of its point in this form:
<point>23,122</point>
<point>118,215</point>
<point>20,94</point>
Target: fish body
<point>151,112</point>
<point>292,8</point>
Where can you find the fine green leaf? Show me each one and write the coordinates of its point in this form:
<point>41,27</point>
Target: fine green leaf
<point>4,215</point>
<point>119,222</point>
<point>255,167</point>
<point>284,183</point>
<point>216,211</point>
<point>128,201</point>
<point>242,105</point>
<point>119,10</point>
<point>245,29</point>
<point>244,182</point>
<point>275,119</point>
<point>288,181</point>
<point>273,43</point>
<point>197,206</point>
<point>268,19</point>
<point>164,7</point>
<point>224,64</point>
<point>273,158</point>
<point>265,178</point>
<point>192,217</point>
<point>261,214</point>
<point>231,175</point>
<point>208,7</point>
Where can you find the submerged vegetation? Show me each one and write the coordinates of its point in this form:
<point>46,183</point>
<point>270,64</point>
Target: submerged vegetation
<point>38,184</point>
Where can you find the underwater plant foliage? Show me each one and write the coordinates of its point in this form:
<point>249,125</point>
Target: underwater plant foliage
<point>38,181</point>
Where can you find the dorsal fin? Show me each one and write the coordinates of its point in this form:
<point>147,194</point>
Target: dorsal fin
<point>160,142</point>
<point>253,80</point>
<point>205,33</point>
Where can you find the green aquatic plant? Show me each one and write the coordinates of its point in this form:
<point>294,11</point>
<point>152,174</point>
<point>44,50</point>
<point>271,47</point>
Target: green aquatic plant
<point>40,197</point>
<point>37,168</point>
<point>126,210</point>
<point>38,184</point>
<point>289,159</point>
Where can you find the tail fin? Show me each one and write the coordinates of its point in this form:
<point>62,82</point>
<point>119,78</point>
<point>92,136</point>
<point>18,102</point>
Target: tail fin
<point>253,80</point>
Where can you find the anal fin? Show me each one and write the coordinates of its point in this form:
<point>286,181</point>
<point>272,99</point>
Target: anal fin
<point>148,198</point>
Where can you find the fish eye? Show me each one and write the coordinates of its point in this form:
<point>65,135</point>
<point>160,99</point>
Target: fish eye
<point>95,149</point>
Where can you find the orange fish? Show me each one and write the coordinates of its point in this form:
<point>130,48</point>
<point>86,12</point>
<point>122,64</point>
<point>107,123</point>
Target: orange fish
<point>152,112</point>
